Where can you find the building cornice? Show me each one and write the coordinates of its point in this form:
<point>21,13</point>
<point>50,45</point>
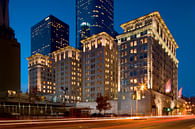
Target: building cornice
<point>96,36</point>
<point>37,55</point>
<point>157,14</point>
<point>64,49</point>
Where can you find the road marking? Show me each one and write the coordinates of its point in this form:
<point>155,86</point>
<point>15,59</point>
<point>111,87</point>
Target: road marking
<point>45,121</point>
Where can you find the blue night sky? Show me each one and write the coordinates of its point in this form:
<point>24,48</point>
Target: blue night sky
<point>179,16</point>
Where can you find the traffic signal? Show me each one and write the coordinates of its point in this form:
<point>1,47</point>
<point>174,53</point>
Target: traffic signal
<point>168,109</point>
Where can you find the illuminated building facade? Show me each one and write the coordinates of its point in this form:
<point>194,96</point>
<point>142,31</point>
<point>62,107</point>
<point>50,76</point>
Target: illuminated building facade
<point>68,75</point>
<point>9,54</point>
<point>41,80</point>
<point>93,17</point>
<point>49,35</point>
<point>100,67</point>
<point>148,57</point>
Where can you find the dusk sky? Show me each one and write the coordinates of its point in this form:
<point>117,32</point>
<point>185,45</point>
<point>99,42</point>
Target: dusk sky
<point>179,16</point>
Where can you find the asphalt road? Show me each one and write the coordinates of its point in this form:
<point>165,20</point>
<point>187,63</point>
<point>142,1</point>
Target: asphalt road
<point>187,122</point>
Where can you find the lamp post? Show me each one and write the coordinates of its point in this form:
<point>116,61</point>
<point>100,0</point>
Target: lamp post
<point>65,92</point>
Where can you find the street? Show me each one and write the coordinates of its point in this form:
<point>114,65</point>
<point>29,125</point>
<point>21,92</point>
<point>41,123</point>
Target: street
<point>184,122</point>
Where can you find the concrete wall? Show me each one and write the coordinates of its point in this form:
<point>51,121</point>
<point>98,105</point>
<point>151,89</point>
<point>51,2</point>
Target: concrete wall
<point>93,105</point>
<point>127,106</point>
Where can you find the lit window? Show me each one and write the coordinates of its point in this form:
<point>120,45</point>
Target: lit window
<point>131,44</point>
<point>123,97</point>
<point>135,80</point>
<point>142,41</point>
<point>135,50</point>
<point>145,40</point>
<point>135,58</point>
<point>125,60</point>
<point>125,46</point>
<point>135,43</point>
<point>125,53</point>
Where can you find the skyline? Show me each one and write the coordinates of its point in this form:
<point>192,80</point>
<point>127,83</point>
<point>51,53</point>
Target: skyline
<point>121,15</point>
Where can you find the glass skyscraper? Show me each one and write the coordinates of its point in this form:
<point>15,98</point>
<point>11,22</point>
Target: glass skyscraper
<point>49,35</point>
<point>93,17</point>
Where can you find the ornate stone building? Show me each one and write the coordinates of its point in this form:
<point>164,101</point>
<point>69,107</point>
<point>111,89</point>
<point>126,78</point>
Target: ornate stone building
<point>41,80</point>
<point>148,64</point>
<point>100,67</point>
<point>68,74</point>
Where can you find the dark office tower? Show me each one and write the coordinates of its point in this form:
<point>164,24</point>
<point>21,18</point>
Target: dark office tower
<point>93,17</point>
<point>49,35</point>
<point>9,55</point>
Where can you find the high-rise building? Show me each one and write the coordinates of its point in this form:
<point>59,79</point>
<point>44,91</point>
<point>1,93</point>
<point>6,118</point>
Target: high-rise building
<point>49,35</point>
<point>4,13</point>
<point>9,54</point>
<point>100,67</point>
<point>41,80</point>
<point>68,75</point>
<point>93,17</point>
<point>57,77</point>
<point>149,65</point>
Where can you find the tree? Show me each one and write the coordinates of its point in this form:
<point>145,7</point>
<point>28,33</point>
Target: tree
<point>102,103</point>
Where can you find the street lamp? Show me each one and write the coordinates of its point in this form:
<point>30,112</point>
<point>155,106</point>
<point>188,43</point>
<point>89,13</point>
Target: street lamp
<point>65,90</point>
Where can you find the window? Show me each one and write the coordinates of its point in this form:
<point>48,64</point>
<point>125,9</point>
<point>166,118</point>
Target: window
<point>148,22</point>
<point>135,43</point>
<point>135,58</point>
<point>133,36</point>
<point>144,33</point>
<point>123,97</point>
<point>145,40</point>
<point>135,50</point>
<point>145,47</point>
<point>122,54</point>
<point>142,41</point>
<point>138,25</point>
<point>131,74</point>
<point>145,63</point>
<point>135,80</point>
<point>131,66</point>
<point>124,39</point>
<point>125,60</point>
<point>131,44</point>
<point>125,53</point>
<point>99,41</point>
<point>125,46</point>
<point>93,44</point>
<point>131,58</point>
<point>145,71</point>
<point>135,73</point>
<point>145,55</point>
<point>92,77</point>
